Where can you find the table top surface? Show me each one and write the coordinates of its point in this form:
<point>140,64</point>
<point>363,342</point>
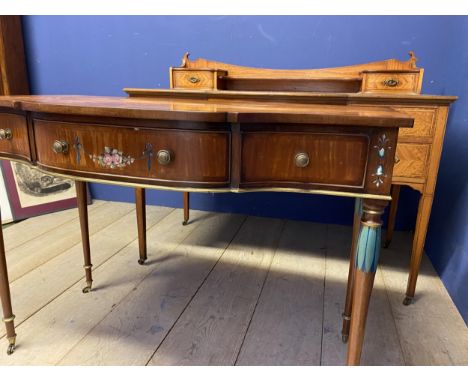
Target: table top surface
<point>210,110</point>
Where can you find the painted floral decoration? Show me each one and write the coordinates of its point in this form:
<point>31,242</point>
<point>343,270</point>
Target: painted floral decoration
<point>112,158</point>
<point>382,146</point>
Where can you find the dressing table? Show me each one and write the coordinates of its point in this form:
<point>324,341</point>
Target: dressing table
<point>221,131</point>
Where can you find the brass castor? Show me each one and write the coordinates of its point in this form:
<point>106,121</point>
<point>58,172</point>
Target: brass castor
<point>87,288</point>
<point>141,261</point>
<point>185,222</point>
<point>408,300</point>
<point>11,346</point>
<point>387,243</point>
<point>344,338</point>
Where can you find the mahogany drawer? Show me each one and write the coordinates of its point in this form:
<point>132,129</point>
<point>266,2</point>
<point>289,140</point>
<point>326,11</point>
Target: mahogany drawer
<point>278,158</point>
<point>210,79</point>
<point>391,82</point>
<point>166,155</point>
<point>411,160</point>
<point>14,140</point>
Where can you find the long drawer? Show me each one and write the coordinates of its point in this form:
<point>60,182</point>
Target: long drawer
<point>14,140</point>
<point>167,155</point>
<point>278,159</point>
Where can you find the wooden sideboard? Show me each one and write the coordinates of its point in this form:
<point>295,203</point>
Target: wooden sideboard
<point>319,134</point>
<point>391,83</point>
<point>197,145</point>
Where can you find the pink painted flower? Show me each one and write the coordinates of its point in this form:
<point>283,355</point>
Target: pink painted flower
<point>107,159</point>
<point>116,158</point>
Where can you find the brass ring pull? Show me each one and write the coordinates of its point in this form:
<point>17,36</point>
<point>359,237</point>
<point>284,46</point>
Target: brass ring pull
<point>60,147</point>
<point>391,82</point>
<point>301,159</point>
<point>164,157</point>
<point>5,134</point>
<point>194,80</point>
<point>397,158</point>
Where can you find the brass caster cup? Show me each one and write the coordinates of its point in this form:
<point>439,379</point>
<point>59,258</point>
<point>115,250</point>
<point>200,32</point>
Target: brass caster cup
<point>185,222</point>
<point>344,338</point>
<point>407,301</point>
<point>11,347</point>
<point>141,261</point>
<point>87,288</point>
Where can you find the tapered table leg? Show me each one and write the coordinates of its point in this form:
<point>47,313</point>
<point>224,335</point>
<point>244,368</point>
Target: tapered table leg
<point>82,199</point>
<point>186,208</point>
<point>392,214</point>
<point>352,257</point>
<point>140,201</point>
<point>8,316</point>
<point>367,257</point>
<point>422,221</point>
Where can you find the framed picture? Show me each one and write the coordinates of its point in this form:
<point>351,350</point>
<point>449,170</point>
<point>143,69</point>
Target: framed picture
<point>32,192</point>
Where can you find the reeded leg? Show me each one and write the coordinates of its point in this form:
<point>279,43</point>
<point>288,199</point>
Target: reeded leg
<point>422,221</point>
<point>140,201</point>
<point>392,214</point>
<point>352,257</point>
<point>367,258</point>
<point>8,316</point>
<point>186,208</point>
<point>82,198</point>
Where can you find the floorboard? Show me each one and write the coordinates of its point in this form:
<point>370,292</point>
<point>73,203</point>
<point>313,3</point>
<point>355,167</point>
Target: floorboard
<point>225,289</point>
<point>211,329</point>
<point>286,328</point>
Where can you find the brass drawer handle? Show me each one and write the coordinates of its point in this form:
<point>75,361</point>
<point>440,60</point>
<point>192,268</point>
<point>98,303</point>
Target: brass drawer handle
<point>60,147</point>
<point>301,160</point>
<point>164,157</point>
<point>391,82</point>
<point>5,134</point>
<point>397,159</point>
<point>194,80</point>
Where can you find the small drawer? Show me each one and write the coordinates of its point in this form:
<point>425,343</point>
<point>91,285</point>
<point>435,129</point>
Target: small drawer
<point>406,82</point>
<point>160,154</point>
<point>410,160</point>
<point>14,140</point>
<point>276,159</point>
<point>424,122</point>
<point>208,79</point>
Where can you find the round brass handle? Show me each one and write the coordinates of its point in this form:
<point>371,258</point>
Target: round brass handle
<point>5,134</point>
<point>60,147</point>
<point>164,157</point>
<point>397,159</point>
<point>194,80</point>
<point>301,159</point>
<point>391,82</point>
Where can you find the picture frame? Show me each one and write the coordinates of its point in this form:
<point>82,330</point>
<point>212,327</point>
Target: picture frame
<point>32,192</point>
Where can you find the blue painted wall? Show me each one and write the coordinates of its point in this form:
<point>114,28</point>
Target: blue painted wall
<point>101,55</point>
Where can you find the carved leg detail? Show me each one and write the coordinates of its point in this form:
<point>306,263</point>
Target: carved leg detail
<point>422,221</point>
<point>352,259</point>
<point>186,208</point>
<point>82,198</point>
<point>367,258</point>
<point>5,297</point>
<point>392,214</point>
<point>140,201</point>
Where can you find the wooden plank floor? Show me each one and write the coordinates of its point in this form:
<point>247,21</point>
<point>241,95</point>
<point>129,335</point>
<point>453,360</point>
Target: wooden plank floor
<point>224,290</point>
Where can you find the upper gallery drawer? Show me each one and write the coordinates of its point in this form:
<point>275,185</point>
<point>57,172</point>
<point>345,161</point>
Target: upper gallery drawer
<point>159,154</point>
<point>14,136</point>
<point>396,82</point>
<point>270,159</point>
<point>208,79</point>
